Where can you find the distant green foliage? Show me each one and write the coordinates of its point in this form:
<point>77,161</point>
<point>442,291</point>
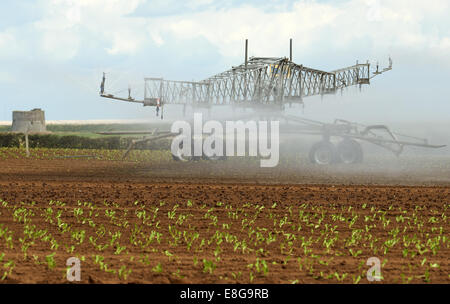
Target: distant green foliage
<point>107,127</point>
<point>93,128</point>
<point>85,137</point>
<point>77,142</point>
<point>10,140</point>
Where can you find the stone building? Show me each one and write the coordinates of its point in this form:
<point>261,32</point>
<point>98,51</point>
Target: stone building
<point>32,121</point>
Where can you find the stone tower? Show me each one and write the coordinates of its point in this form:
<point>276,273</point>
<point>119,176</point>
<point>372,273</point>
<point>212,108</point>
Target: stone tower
<point>29,121</point>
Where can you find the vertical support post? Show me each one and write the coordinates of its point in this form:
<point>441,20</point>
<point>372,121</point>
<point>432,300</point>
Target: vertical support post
<point>194,93</point>
<point>300,83</point>
<point>233,89</point>
<point>290,50</point>
<point>246,53</point>
<point>245,72</point>
<point>281,70</point>
<point>208,93</point>
<point>27,146</point>
<point>161,90</point>
<point>334,83</point>
<point>145,89</point>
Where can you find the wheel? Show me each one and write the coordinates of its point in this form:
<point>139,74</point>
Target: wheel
<point>323,153</point>
<point>178,156</point>
<point>214,157</point>
<point>349,151</point>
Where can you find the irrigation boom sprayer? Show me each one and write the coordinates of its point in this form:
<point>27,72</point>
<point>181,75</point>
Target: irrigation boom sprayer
<point>268,85</point>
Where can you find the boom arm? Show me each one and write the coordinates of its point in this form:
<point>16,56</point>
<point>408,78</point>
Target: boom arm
<point>260,81</point>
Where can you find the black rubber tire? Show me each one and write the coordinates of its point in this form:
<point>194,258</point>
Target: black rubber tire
<point>213,158</point>
<point>349,151</point>
<point>184,159</point>
<point>181,158</point>
<point>323,153</point>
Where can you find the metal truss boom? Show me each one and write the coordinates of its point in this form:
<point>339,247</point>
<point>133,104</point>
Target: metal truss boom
<point>257,82</point>
<point>265,81</point>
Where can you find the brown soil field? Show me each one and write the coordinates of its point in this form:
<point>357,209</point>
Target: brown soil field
<point>227,222</point>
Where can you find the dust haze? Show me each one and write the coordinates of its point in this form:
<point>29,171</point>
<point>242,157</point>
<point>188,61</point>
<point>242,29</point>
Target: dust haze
<point>414,166</point>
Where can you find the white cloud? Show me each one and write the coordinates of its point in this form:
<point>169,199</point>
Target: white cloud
<point>86,37</point>
<point>197,3</point>
<point>125,42</point>
<point>68,24</point>
<point>9,45</point>
<point>7,77</point>
<point>386,24</point>
<point>156,37</point>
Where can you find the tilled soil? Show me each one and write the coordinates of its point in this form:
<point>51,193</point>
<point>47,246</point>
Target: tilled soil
<point>303,229</point>
<point>411,171</point>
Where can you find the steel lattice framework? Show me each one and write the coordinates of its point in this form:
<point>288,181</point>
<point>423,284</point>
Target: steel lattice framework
<point>272,81</point>
<point>262,81</point>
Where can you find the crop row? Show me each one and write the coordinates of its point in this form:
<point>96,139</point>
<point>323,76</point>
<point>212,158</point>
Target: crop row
<point>224,242</point>
<point>89,154</point>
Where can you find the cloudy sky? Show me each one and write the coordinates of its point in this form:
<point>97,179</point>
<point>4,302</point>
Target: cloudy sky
<point>53,52</point>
